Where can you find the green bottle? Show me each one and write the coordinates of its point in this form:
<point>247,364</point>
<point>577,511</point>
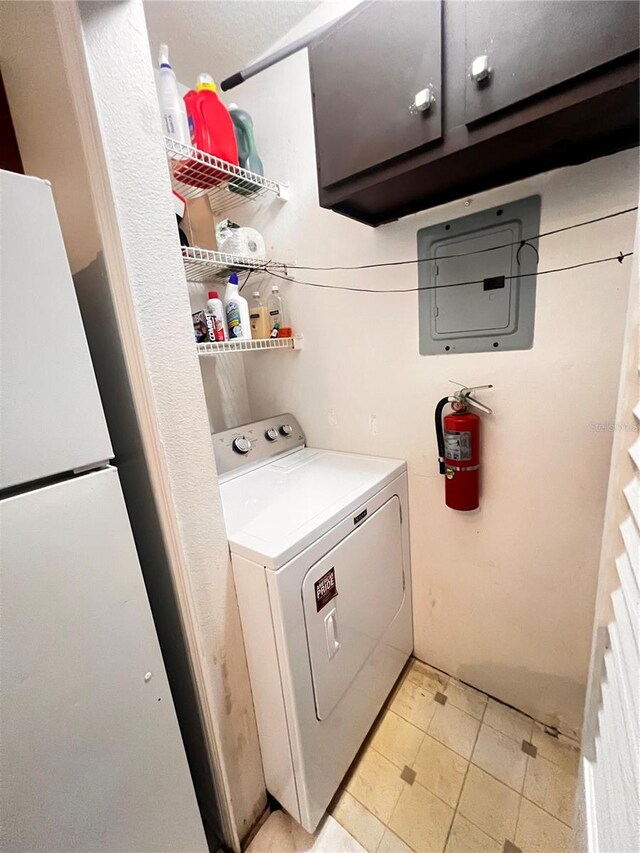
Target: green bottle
<point>248,156</point>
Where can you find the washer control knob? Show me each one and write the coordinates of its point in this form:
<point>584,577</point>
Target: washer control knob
<point>286,429</point>
<point>271,434</point>
<point>241,444</point>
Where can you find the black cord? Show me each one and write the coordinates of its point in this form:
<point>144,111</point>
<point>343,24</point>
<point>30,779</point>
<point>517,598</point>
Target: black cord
<point>475,252</point>
<point>531,246</point>
<point>246,280</point>
<point>619,257</point>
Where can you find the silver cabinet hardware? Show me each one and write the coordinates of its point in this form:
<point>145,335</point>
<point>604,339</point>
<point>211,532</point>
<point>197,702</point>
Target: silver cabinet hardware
<point>480,68</point>
<point>422,102</point>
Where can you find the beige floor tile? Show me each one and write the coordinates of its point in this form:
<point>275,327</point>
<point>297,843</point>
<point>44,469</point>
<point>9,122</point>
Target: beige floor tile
<point>427,677</point>
<point>392,844</point>
<point>490,805</point>
<point>440,770</point>
<point>509,722</point>
<point>281,834</point>
<point>500,756</point>
<point>467,838</point>
<point>552,788</point>
<point>454,729</point>
<point>358,821</point>
<point>397,740</point>
<point>415,704</point>
<point>561,751</point>
<point>376,784</point>
<point>466,698</point>
<point>421,819</point>
<point>538,832</point>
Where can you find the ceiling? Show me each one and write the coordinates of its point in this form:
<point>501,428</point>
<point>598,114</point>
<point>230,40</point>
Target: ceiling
<point>219,36</point>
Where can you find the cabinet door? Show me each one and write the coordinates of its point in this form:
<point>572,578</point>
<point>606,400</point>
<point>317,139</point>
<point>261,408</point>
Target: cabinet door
<point>365,74</point>
<point>535,45</point>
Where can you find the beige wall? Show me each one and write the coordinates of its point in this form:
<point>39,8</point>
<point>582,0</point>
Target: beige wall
<point>503,597</point>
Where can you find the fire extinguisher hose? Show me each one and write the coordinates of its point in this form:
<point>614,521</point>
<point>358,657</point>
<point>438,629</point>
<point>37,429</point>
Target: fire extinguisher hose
<point>440,432</point>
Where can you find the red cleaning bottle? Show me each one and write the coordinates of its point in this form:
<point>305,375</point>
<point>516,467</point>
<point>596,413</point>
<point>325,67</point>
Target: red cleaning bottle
<point>210,124</point>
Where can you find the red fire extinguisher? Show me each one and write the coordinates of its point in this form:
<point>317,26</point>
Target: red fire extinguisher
<point>458,435</point>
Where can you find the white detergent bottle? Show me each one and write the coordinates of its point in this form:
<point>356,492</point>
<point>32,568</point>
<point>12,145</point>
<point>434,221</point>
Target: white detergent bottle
<point>237,311</point>
<point>172,108</point>
<point>216,309</point>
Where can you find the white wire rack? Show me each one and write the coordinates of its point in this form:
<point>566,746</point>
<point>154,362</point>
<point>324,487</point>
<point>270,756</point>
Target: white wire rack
<point>195,173</point>
<point>249,346</point>
<point>207,265</point>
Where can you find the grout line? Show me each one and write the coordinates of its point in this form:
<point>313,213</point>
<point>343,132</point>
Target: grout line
<point>542,809</point>
<point>495,779</point>
<point>413,724</point>
<point>526,770</point>
<point>424,735</point>
<point>475,720</point>
<point>390,711</point>
<point>400,714</point>
<point>429,791</point>
<point>480,829</point>
<point>386,758</point>
<point>464,781</point>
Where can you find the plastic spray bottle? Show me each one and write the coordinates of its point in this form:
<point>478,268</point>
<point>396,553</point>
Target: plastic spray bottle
<point>172,109</point>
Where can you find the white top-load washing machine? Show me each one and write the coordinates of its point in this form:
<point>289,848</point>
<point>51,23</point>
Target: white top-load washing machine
<point>320,548</point>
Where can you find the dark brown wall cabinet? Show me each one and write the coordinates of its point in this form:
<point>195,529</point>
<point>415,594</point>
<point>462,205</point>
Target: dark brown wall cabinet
<point>419,102</point>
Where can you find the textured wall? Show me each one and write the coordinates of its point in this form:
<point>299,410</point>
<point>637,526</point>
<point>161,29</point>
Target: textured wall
<point>118,51</point>
<point>51,144</point>
<point>503,598</point>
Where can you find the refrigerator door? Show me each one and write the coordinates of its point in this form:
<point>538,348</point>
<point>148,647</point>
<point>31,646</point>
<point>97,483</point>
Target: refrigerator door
<point>92,757</point>
<point>52,418</point>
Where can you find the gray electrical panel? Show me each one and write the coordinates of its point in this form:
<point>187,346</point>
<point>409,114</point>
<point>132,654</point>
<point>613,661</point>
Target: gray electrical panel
<point>478,280</point>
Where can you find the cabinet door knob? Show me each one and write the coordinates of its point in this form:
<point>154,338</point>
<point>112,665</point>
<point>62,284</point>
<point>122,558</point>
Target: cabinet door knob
<point>480,68</point>
<point>422,102</point>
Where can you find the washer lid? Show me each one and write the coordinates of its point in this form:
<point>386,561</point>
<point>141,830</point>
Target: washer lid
<point>274,512</point>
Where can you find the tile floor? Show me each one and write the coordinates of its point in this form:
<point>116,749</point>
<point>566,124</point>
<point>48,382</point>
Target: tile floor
<point>448,770</point>
<point>281,834</point>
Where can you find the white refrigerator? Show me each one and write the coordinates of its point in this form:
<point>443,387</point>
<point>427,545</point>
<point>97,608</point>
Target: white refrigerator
<point>91,757</point>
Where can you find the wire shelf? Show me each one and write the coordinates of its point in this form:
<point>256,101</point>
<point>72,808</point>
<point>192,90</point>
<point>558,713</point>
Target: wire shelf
<point>207,265</point>
<point>249,346</point>
<point>195,173</point>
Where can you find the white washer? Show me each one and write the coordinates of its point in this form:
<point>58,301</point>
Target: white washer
<point>320,548</point>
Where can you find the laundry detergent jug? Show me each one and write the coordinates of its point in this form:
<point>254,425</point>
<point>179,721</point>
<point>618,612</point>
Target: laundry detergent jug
<point>211,126</point>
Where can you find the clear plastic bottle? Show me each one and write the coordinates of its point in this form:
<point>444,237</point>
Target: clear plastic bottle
<point>172,108</point>
<point>275,306</point>
<point>260,326</point>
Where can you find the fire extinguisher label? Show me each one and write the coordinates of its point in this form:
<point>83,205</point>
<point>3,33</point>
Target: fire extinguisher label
<point>457,445</point>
